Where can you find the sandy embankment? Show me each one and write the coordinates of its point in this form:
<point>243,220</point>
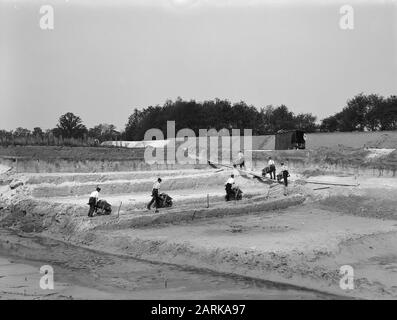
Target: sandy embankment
<point>88,274</point>
<point>303,246</point>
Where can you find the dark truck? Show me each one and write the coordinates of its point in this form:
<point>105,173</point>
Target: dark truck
<point>290,140</point>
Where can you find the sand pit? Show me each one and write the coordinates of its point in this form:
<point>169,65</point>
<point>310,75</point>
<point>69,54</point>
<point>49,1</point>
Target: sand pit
<point>301,239</point>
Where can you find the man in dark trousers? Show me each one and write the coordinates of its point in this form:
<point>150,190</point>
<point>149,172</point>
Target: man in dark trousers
<point>284,171</point>
<point>272,168</point>
<point>155,195</point>
<point>92,201</point>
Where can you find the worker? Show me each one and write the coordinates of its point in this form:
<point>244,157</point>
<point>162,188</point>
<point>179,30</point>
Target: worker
<point>92,201</point>
<point>155,195</point>
<point>236,173</point>
<point>230,183</point>
<point>285,173</point>
<point>240,160</point>
<point>272,168</point>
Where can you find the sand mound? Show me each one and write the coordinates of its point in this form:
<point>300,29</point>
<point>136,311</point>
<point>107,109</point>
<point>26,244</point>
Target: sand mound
<point>4,169</point>
<point>362,206</point>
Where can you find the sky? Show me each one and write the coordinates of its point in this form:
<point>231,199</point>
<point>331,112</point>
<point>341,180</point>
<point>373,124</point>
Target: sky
<point>104,58</point>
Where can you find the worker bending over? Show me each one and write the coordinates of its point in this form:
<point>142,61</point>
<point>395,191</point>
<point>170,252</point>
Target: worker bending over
<point>229,187</point>
<point>92,201</point>
<point>155,195</point>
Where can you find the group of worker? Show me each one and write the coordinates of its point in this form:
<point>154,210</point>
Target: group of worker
<point>230,185</point>
<point>284,174</point>
<point>94,198</point>
<point>272,171</point>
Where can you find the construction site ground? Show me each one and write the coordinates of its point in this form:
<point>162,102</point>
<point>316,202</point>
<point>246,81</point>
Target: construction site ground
<point>267,245</point>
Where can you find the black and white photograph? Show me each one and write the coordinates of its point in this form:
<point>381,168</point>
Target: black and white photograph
<point>170,151</point>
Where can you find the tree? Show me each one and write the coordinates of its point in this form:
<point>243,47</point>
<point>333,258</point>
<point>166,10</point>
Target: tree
<point>305,122</point>
<point>104,132</point>
<point>38,132</point>
<point>5,136</point>
<point>387,114</point>
<point>330,124</point>
<point>278,118</point>
<point>364,112</point>
<point>70,126</point>
<point>21,132</point>
<point>132,128</point>
<point>354,115</point>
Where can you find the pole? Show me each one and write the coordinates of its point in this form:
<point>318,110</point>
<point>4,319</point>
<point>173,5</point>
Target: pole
<point>118,212</point>
<point>322,188</point>
<point>334,184</point>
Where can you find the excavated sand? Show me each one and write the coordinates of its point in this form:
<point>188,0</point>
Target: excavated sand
<point>302,239</point>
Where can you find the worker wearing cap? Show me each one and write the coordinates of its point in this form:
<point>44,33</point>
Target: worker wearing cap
<point>92,201</point>
<point>229,187</point>
<point>155,195</point>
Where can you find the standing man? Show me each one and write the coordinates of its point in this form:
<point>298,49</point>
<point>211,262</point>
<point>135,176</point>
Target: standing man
<point>241,160</point>
<point>229,187</point>
<point>92,201</point>
<point>285,173</point>
<point>155,195</point>
<point>272,168</point>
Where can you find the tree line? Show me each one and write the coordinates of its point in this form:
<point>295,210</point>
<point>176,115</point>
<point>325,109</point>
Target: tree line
<point>364,113</point>
<point>361,113</point>
<point>70,131</point>
<point>216,114</point>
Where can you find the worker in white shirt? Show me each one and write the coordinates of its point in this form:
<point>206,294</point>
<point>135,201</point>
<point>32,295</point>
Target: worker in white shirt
<point>92,201</point>
<point>272,168</point>
<point>240,160</point>
<point>229,187</point>
<point>155,195</point>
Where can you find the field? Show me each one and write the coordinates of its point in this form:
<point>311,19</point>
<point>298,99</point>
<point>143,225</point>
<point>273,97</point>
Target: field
<point>71,153</point>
